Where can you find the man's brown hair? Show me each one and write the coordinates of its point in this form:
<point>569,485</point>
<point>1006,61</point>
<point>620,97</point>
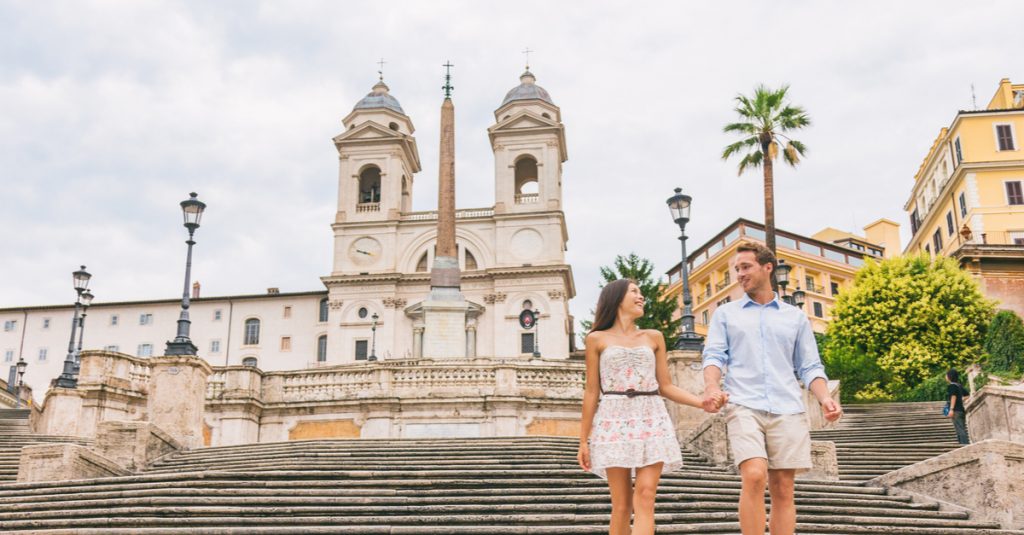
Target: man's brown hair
<point>763,254</point>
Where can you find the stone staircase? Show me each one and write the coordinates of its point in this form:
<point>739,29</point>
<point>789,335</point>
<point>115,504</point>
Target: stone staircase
<point>15,434</point>
<point>874,439</point>
<point>481,486</point>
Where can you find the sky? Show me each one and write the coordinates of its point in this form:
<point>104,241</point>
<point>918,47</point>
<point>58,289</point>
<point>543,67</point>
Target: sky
<point>112,112</point>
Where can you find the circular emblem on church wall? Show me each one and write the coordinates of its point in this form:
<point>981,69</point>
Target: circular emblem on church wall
<point>527,244</point>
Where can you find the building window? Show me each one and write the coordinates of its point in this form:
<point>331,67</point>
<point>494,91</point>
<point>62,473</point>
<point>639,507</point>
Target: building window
<point>1014,195</point>
<point>959,152</point>
<point>704,316</point>
<point>321,348</point>
<point>1004,137</point>
<point>114,318</point>
<point>950,228</point>
<point>809,281</point>
<point>214,346</point>
<point>10,325</point>
<point>937,241</point>
<point>46,323</point>
<point>8,355</point>
<point>928,250</point>
<point>252,331</point>
<point>217,315</point>
<point>526,344</point>
<point>421,266</point>
<point>471,264</point>
<point>286,343</point>
<point>1017,237</point>
<point>818,310</point>
<point>249,361</point>
<point>369,185</point>
<point>363,313</point>
<point>287,312</point>
<point>963,205</point>
<point>145,319</point>
<point>323,310</point>
<point>361,349</point>
<point>42,353</point>
<point>707,290</point>
<point>145,350</point>
<point>915,222</point>
<point>112,348</point>
<point>835,288</point>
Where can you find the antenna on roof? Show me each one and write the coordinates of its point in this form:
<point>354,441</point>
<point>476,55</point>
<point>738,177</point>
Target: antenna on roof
<point>974,99</point>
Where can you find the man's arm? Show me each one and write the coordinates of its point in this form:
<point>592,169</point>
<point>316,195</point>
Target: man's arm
<point>807,363</point>
<point>716,358</point>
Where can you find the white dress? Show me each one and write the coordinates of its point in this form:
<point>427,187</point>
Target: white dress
<point>631,431</point>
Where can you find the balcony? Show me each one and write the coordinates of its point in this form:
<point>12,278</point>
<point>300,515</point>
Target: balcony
<point>811,287</point>
<point>527,198</point>
<point>722,285</point>
<point>367,207</point>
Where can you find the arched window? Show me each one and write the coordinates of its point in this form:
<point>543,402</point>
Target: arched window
<point>252,331</point>
<point>406,195</point>
<point>369,185</point>
<point>321,348</point>
<point>363,313</point>
<point>249,361</point>
<point>421,266</point>
<point>526,180</point>
<point>470,261</point>
<point>323,309</point>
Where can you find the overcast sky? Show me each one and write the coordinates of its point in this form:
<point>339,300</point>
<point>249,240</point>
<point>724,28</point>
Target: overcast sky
<point>111,112</point>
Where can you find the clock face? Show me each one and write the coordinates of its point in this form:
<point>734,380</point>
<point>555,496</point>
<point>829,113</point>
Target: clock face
<point>364,251</point>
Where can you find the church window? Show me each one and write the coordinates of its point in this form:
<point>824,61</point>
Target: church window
<point>393,126</point>
<point>421,266</point>
<point>252,331</point>
<point>323,309</point>
<point>363,312</point>
<point>526,180</point>
<point>369,185</point>
<point>527,345</point>
<point>249,361</point>
<point>361,349</point>
<point>287,311</point>
<point>406,195</point>
<point>286,343</point>
<point>527,305</point>
<point>545,115</point>
<point>471,262</point>
<point>321,348</point>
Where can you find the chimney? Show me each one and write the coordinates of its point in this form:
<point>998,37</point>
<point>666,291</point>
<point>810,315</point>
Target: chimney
<point>195,290</point>
<point>273,291</point>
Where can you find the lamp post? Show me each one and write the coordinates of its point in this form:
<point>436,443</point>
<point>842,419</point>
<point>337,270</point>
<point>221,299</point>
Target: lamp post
<point>67,377</point>
<point>536,333</point>
<point>87,298</point>
<point>799,297</point>
<point>373,338</point>
<point>20,366</point>
<point>782,271</point>
<point>679,206</point>
<point>192,209</point>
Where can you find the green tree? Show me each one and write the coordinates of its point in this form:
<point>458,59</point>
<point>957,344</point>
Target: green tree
<point>1004,343</point>
<point>765,120</point>
<point>902,322</point>
<point>658,308</point>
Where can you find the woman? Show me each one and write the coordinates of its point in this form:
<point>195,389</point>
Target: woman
<point>625,429</point>
<point>956,393</point>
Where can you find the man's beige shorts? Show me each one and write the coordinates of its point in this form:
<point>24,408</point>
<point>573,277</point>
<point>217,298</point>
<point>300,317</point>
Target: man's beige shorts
<point>783,439</point>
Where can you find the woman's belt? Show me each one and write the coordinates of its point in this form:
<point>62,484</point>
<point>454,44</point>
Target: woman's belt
<point>631,393</point>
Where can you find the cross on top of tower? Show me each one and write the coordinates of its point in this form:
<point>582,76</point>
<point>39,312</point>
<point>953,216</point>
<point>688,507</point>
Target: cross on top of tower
<point>527,52</point>
<point>380,71</point>
<point>448,79</point>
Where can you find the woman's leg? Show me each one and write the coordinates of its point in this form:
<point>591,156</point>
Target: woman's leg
<point>960,424</point>
<point>621,488</point>
<point>645,489</point>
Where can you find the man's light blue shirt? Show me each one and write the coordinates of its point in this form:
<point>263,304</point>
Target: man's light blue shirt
<point>762,349</point>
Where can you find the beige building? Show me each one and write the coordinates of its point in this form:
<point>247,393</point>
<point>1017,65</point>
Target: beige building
<point>968,196</point>
<point>823,265</point>
<point>512,256</point>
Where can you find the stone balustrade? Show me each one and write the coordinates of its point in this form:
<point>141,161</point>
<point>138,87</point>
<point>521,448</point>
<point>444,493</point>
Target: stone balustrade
<point>996,412</point>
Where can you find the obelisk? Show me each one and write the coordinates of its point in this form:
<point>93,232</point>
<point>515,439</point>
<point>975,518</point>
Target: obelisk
<point>445,309</point>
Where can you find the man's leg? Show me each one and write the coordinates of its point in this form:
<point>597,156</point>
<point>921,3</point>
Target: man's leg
<point>780,486</point>
<point>754,473</point>
<point>621,488</point>
<point>645,489</point>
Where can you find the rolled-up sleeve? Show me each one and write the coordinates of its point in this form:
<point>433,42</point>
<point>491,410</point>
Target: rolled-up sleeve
<point>716,346</point>
<point>806,360</point>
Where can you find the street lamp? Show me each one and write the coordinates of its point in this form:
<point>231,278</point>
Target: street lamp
<point>799,297</point>
<point>87,298</point>
<point>67,377</point>
<point>20,381</point>
<point>679,206</point>
<point>782,271</point>
<point>192,209</point>
<point>536,333</point>
<point>373,343</point>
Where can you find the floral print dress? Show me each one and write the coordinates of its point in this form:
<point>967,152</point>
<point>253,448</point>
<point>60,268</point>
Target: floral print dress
<point>631,431</point>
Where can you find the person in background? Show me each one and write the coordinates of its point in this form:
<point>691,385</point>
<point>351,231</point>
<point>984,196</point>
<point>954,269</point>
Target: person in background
<point>956,393</point>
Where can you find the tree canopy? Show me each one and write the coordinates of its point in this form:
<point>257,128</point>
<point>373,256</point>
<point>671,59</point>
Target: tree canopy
<point>658,309</point>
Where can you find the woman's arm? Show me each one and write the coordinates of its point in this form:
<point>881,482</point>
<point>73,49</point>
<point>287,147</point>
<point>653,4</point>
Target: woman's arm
<point>665,386</point>
<point>591,393</point>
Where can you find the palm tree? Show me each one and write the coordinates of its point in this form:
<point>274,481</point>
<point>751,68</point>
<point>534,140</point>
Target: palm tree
<point>764,121</point>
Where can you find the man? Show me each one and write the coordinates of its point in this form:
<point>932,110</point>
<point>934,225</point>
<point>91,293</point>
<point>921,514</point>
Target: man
<point>763,344</point>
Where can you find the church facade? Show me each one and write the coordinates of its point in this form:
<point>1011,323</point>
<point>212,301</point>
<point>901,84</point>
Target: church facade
<point>511,256</point>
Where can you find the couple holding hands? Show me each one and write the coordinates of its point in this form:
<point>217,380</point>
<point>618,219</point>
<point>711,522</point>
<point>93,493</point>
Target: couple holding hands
<point>761,344</point>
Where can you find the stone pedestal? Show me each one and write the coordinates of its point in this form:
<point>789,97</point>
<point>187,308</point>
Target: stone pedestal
<point>824,462</point>
<point>996,412</point>
<point>444,333</point>
<point>984,478</point>
<point>133,445</point>
<point>62,414</point>
<point>686,371</point>
<point>63,462</point>
<point>177,397</point>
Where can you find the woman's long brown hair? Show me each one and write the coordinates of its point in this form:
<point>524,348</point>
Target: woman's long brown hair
<point>608,304</point>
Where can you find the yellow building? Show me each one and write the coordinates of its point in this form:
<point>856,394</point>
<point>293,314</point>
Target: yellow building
<point>968,196</point>
<point>823,265</point>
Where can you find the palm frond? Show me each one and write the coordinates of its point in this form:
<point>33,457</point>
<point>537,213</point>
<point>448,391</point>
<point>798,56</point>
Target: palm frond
<point>739,146</point>
<point>742,128</point>
<point>752,159</point>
